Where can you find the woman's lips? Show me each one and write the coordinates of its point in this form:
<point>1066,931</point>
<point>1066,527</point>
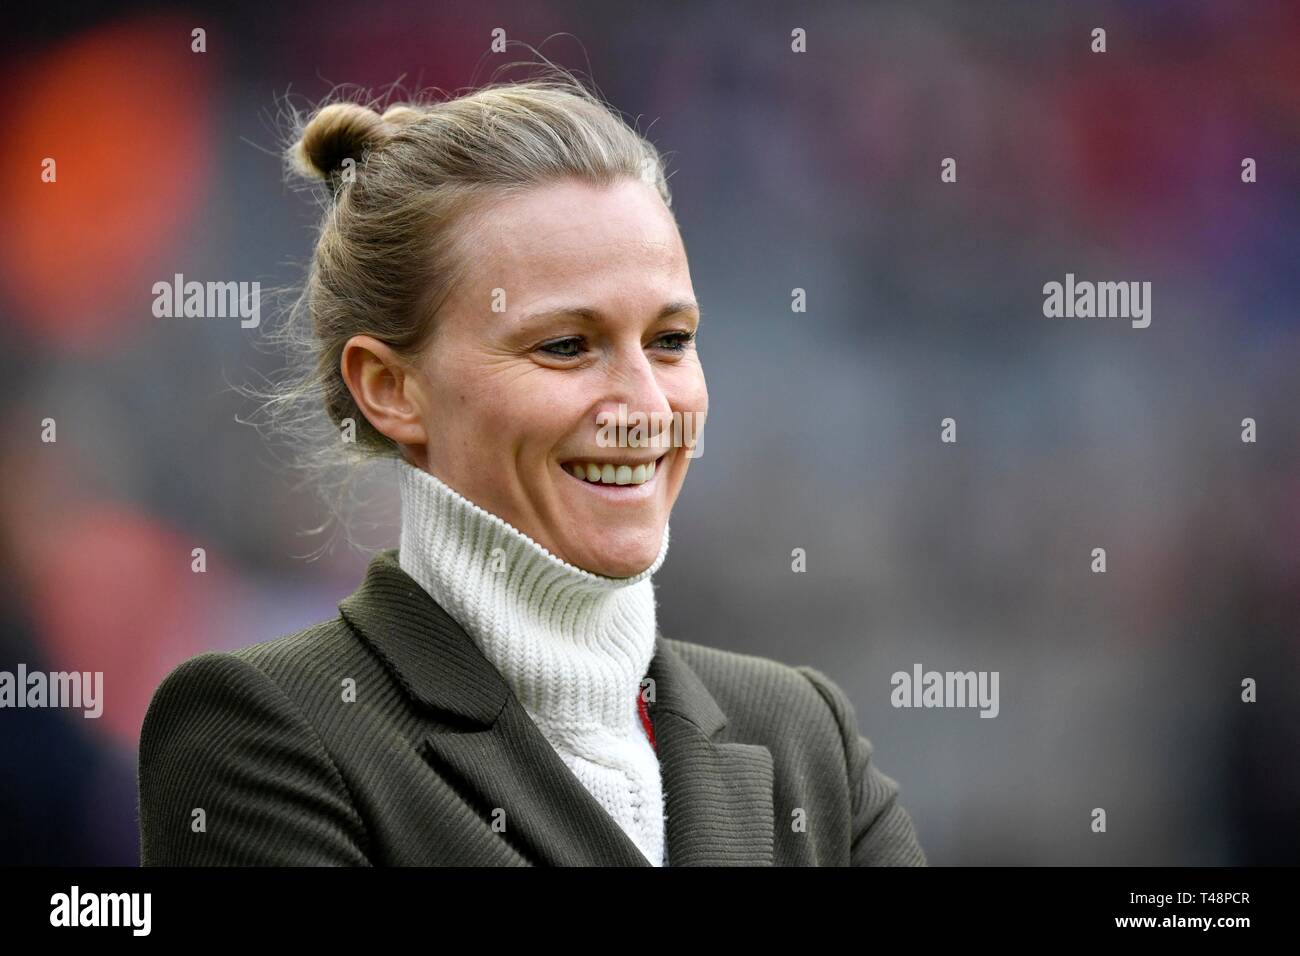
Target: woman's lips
<point>632,488</point>
<point>612,474</point>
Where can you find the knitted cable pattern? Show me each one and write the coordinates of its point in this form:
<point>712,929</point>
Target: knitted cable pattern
<point>572,645</point>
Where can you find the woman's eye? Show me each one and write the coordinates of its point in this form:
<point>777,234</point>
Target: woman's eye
<point>564,348</point>
<point>677,341</point>
<point>572,346</point>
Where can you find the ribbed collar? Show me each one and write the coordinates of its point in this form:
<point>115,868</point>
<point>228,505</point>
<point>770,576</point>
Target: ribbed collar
<point>573,646</point>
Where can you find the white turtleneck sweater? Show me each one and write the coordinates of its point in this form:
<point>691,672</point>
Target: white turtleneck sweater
<point>572,645</point>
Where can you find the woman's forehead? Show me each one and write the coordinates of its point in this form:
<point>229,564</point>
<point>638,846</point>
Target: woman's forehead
<point>567,238</point>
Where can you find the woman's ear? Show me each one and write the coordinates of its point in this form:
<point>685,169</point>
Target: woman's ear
<point>385,388</point>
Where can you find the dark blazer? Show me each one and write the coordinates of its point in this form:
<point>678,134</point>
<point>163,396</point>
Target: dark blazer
<point>436,763</point>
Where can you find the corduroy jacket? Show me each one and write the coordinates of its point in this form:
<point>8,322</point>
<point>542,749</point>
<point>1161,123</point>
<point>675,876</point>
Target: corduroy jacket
<point>385,737</point>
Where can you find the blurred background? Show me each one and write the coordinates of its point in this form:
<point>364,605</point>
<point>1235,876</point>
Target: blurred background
<point>817,171</point>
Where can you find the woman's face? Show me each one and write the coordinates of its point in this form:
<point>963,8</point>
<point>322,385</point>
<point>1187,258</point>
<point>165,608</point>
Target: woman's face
<point>577,300</point>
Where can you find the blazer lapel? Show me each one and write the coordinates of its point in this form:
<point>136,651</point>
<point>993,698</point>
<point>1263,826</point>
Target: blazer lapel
<point>717,796</point>
<point>483,739</point>
<point>511,766</point>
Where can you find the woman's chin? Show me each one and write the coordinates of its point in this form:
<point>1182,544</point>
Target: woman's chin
<point>620,562</point>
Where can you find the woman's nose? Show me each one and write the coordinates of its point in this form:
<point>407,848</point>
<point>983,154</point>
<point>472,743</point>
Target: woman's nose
<point>633,389</point>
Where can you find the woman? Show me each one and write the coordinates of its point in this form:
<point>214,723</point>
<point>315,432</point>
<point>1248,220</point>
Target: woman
<point>497,278</point>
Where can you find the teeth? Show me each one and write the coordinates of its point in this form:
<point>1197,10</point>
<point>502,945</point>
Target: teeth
<point>609,474</point>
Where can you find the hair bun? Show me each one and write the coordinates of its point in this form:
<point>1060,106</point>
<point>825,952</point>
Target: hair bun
<point>343,131</point>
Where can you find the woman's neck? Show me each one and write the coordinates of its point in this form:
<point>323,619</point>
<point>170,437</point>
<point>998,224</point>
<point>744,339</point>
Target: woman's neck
<point>573,646</point>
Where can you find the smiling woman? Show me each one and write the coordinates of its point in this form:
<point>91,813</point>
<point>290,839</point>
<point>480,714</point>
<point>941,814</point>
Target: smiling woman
<point>495,276</point>
<point>527,391</point>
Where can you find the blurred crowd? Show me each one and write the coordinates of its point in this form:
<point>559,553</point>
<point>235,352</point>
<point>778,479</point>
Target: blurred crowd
<point>818,171</point>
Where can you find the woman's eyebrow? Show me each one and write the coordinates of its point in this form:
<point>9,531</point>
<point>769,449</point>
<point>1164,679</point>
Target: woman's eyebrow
<point>681,305</point>
<point>592,315</point>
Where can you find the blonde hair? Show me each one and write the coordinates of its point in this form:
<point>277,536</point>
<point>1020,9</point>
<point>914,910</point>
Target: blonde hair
<point>402,188</point>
